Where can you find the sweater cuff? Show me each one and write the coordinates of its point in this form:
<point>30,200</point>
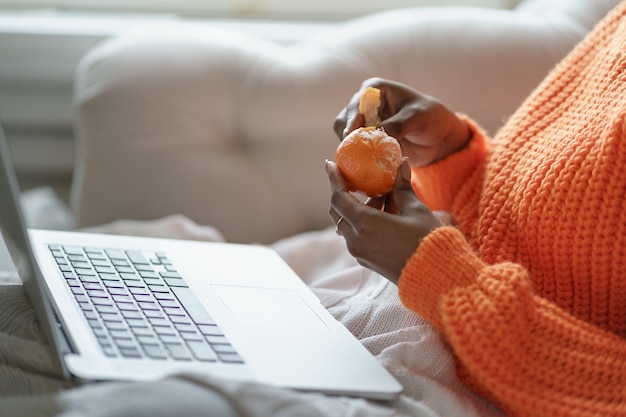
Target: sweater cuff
<point>443,261</point>
<point>437,184</point>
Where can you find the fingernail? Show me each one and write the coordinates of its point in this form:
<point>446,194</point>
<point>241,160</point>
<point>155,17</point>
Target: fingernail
<point>406,170</point>
<point>326,165</point>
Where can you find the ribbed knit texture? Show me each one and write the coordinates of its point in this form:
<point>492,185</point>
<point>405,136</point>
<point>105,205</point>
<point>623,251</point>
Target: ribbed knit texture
<point>529,288</point>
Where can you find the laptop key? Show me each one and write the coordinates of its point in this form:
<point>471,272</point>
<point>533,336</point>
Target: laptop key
<point>122,298</point>
<point>127,307</point>
<point>81,298</point>
<point>194,307</point>
<point>69,275</point>
<point>125,269</point>
<point>175,282</point>
<point>143,331</point>
<point>188,328</point>
<point>129,314</point>
<point>111,317</point>
<point>109,351</point>
<point>136,257</point>
<point>80,264</point>
<point>115,325</point>
<point>130,276</point>
<point>202,351</point>
<point>88,278</point>
<point>191,336</point>
<point>85,306</point>
<point>168,302</point>
<point>78,257</point>
<point>144,268</point>
<point>170,339</point>
<point>163,296</point>
<point>115,254</point>
<point>120,334</point>
<point>147,305</point>
<point>125,343</point>
<point>158,287</point>
<point>179,352</point>
<point>130,352</point>
<point>104,269</point>
<point>165,330</point>
<point>73,282</point>
<point>72,250</point>
<point>118,291</point>
<point>210,330</point>
<point>159,322</point>
<point>148,274</point>
<point>84,271</point>
<point>109,277</point>
<point>174,311</point>
<point>217,340</point>
<point>100,333</point>
<point>120,262</point>
<point>181,320</point>
<point>141,322</point>
<point>90,315</point>
<point>231,358</point>
<point>222,349</point>
<point>101,301</point>
<point>93,286</point>
<point>78,291</point>
<point>155,351</point>
<point>99,262</point>
<point>154,314</point>
<point>98,293</point>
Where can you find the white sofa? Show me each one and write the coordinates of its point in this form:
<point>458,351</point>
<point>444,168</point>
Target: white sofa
<point>232,130</point>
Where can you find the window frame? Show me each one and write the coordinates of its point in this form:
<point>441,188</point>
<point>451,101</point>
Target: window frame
<point>281,9</point>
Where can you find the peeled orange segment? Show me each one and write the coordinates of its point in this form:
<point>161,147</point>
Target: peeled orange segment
<point>369,160</point>
<point>369,103</point>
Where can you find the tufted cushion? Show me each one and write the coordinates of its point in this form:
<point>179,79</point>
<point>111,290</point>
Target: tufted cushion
<point>232,130</point>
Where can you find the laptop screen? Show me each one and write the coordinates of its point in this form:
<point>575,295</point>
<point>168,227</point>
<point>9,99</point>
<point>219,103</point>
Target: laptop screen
<point>13,232</point>
<point>11,220</point>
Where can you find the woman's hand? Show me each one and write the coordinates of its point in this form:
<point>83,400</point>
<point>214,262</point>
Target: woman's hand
<point>426,129</point>
<point>385,232</point>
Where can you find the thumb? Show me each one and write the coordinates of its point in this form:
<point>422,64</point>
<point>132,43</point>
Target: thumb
<point>403,196</point>
<point>403,180</point>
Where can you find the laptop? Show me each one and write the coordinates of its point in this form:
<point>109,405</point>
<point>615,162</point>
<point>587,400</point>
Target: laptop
<point>135,308</point>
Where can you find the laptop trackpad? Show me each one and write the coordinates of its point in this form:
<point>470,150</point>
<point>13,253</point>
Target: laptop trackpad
<point>268,307</point>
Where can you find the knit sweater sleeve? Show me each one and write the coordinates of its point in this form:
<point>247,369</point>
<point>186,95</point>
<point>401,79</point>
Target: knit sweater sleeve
<point>437,184</point>
<point>529,356</point>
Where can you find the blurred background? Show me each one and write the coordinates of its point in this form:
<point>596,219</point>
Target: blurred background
<point>42,41</point>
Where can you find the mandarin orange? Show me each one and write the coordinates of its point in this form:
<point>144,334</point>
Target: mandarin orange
<point>369,160</point>
<point>369,105</point>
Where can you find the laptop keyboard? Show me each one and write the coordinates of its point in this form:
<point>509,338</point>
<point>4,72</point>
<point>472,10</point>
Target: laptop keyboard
<point>138,306</point>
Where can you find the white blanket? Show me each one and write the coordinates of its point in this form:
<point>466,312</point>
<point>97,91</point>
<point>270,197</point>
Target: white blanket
<point>364,302</point>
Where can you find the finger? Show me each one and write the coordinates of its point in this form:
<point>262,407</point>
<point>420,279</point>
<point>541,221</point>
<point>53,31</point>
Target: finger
<point>354,118</point>
<point>403,196</point>
<point>340,123</point>
<point>337,182</point>
<point>376,202</point>
<point>342,203</point>
<point>408,124</point>
<point>403,180</point>
<point>355,121</point>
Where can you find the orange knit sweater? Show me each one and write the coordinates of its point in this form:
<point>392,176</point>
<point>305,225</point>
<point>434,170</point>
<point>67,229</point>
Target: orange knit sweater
<point>529,288</point>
